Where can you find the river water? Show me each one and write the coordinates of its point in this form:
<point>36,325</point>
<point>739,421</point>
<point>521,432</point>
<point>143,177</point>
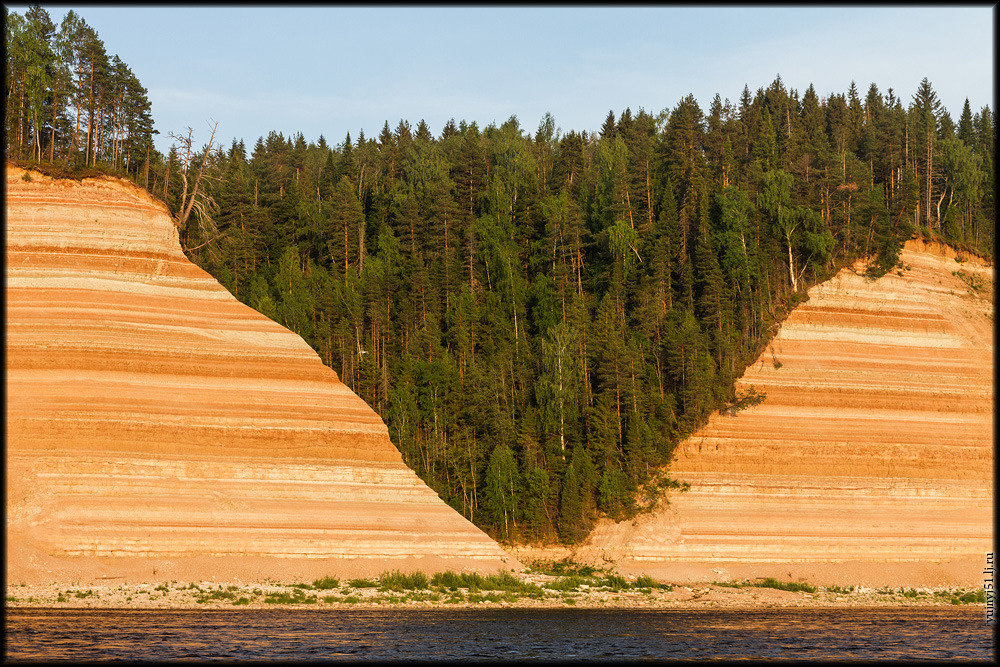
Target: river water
<point>499,634</point>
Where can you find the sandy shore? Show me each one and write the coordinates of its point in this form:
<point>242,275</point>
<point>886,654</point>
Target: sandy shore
<point>269,595</point>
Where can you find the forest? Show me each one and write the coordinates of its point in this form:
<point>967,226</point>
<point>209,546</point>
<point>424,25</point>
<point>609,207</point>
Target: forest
<point>539,317</point>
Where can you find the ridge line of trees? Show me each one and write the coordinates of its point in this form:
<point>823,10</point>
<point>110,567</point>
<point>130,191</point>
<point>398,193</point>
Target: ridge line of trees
<point>69,101</point>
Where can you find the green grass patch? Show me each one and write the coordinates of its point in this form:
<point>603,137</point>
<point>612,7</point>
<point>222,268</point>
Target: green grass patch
<point>570,583</point>
<point>241,601</point>
<point>326,583</point>
<point>973,597</point>
<point>362,583</point>
<point>615,582</point>
<point>769,582</point>
<point>297,596</point>
<point>453,580</point>
<point>646,581</point>
<point>212,596</point>
<point>84,594</point>
<point>840,589</point>
<point>562,568</point>
<point>398,581</point>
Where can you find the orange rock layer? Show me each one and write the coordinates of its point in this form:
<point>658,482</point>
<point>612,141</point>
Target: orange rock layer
<point>871,459</point>
<point>156,423</point>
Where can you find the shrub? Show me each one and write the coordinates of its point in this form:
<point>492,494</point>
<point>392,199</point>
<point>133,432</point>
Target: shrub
<point>973,596</point>
<point>615,582</point>
<point>295,597</point>
<point>397,581</point>
<point>362,583</point>
<point>326,583</point>
<point>215,595</point>
<point>505,581</point>
<point>840,589</point>
<point>562,568</point>
<point>785,585</point>
<point>570,583</point>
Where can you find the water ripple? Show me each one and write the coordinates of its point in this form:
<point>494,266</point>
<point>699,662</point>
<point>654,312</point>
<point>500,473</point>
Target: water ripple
<point>498,634</point>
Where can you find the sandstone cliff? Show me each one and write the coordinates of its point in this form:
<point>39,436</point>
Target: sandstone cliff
<point>871,460</point>
<point>157,428</point>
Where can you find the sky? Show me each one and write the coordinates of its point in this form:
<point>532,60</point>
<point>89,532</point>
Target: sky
<point>330,70</point>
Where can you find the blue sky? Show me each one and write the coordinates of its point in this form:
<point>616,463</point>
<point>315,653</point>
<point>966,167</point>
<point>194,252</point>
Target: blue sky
<point>332,70</point>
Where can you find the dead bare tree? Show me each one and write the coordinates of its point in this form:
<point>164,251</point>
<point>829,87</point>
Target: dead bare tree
<point>196,200</point>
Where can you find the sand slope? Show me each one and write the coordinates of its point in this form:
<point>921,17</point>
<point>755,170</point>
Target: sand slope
<point>158,428</point>
<point>871,460</point>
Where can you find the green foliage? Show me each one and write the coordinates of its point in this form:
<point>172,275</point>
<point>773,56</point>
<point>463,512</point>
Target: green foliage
<point>297,596</point>
<point>569,583</point>
<point>840,589</point>
<point>398,581</point>
<point>363,583</point>
<point>212,596</point>
<point>326,583</point>
<point>785,585</point>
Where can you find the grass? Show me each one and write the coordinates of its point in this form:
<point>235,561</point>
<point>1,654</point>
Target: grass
<point>616,583</point>
<point>570,583</point>
<point>646,581</point>
<point>770,582</point>
<point>326,583</point>
<point>840,590</point>
<point>398,582</point>
<point>562,568</point>
<point>295,597</point>
<point>362,583</point>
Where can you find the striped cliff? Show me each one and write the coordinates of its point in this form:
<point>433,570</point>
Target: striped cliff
<point>158,428</point>
<point>870,461</point>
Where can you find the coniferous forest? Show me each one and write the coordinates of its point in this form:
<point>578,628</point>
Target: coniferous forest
<point>538,316</point>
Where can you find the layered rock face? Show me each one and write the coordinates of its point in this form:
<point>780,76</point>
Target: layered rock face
<point>871,459</point>
<point>158,428</point>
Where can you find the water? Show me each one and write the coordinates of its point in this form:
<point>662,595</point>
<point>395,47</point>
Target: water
<point>498,634</point>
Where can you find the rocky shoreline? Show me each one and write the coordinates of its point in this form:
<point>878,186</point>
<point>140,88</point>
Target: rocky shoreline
<point>536,591</point>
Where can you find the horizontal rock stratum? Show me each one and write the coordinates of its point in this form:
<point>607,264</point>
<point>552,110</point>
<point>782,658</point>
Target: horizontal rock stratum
<point>871,459</point>
<point>157,428</point>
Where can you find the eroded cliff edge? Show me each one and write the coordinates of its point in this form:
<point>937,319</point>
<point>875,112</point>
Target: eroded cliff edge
<point>159,429</point>
<point>870,462</point>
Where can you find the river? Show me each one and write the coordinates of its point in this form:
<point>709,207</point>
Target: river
<point>500,634</point>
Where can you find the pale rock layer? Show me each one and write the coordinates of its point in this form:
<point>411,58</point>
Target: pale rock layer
<point>870,461</point>
<point>159,428</point>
